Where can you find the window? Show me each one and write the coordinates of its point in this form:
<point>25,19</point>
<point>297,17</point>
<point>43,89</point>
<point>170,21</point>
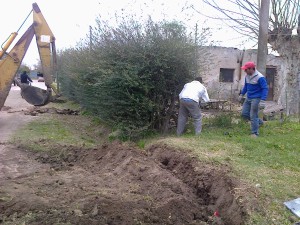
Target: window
<point>226,75</point>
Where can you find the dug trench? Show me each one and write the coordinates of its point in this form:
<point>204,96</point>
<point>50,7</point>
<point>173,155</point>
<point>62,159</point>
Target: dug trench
<point>116,184</point>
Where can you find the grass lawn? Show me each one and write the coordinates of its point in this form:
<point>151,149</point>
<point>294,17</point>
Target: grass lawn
<point>270,163</point>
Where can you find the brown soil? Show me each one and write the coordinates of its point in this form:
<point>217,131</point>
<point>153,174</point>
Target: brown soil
<point>41,110</point>
<point>118,184</point>
<point>113,184</point>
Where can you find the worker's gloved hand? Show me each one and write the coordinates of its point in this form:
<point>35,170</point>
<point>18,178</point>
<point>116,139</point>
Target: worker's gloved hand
<point>262,104</point>
<point>240,98</point>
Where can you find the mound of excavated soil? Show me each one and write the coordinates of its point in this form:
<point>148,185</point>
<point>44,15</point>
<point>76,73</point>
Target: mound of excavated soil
<point>41,110</point>
<point>116,184</point>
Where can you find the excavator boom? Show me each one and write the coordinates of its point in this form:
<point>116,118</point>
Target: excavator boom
<point>46,44</point>
<point>10,63</point>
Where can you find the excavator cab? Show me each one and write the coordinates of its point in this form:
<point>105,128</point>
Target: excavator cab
<point>11,61</point>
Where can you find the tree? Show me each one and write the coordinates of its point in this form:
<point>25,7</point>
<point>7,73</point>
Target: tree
<point>284,19</point>
<point>24,67</point>
<point>263,36</point>
<point>38,66</point>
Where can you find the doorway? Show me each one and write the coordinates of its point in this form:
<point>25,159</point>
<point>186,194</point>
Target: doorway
<point>270,76</point>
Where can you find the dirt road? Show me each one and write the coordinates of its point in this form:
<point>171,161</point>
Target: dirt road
<point>112,184</point>
<point>12,115</point>
<point>13,163</point>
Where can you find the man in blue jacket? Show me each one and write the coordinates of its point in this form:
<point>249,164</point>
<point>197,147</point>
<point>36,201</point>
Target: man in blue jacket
<point>256,88</point>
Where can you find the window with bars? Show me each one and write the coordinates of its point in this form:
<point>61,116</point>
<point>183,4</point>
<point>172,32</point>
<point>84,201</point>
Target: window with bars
<point>226,75</point>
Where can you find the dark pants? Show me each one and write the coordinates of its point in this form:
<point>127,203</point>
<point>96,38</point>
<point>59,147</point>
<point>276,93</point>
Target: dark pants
<point>188,106</point>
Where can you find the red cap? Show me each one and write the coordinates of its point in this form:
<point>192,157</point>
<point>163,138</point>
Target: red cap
<point>248,65</point>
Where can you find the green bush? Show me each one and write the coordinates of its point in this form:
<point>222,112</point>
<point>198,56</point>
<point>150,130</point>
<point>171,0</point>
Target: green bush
<point>130,75</point>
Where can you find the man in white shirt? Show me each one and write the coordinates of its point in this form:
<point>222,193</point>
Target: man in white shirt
<point>189,104</point>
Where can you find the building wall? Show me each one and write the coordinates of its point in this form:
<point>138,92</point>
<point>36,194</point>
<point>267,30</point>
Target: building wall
<point>233,58</point>
<point>222,58</point>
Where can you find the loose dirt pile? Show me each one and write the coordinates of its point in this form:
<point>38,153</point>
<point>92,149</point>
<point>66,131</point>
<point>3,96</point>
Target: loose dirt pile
<point>117,184</point>
<point>34,111</point>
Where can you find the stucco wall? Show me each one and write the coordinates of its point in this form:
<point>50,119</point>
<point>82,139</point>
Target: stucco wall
<point>233,58</point>
<point>222,58</point>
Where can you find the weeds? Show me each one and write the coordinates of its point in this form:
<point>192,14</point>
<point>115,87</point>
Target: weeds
<point>222,120</point>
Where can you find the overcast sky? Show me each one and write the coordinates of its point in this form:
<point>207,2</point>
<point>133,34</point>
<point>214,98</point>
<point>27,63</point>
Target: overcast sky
<point>70,20</point>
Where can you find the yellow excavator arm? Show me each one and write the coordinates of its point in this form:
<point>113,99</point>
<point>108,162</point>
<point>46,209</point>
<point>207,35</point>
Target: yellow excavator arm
<point>46,45</point>
<point>10,62</point>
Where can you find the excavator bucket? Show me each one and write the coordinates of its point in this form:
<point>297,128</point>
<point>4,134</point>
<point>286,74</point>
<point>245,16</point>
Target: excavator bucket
<point>34,95</point>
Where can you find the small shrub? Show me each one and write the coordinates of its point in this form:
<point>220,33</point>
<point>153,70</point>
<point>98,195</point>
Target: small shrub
<point>222,120</point>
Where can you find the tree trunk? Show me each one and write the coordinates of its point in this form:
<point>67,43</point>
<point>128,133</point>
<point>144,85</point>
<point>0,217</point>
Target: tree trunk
<point>169,113</point>
<point>289,50</point>
<point>263,36</point>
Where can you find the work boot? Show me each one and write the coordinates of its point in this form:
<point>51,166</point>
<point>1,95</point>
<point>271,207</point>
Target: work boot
<point>254,136</point>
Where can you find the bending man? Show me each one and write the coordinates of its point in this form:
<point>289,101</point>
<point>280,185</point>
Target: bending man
<point>189,104</point>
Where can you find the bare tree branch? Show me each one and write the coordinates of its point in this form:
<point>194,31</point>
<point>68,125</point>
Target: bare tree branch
<point>243,16</point>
